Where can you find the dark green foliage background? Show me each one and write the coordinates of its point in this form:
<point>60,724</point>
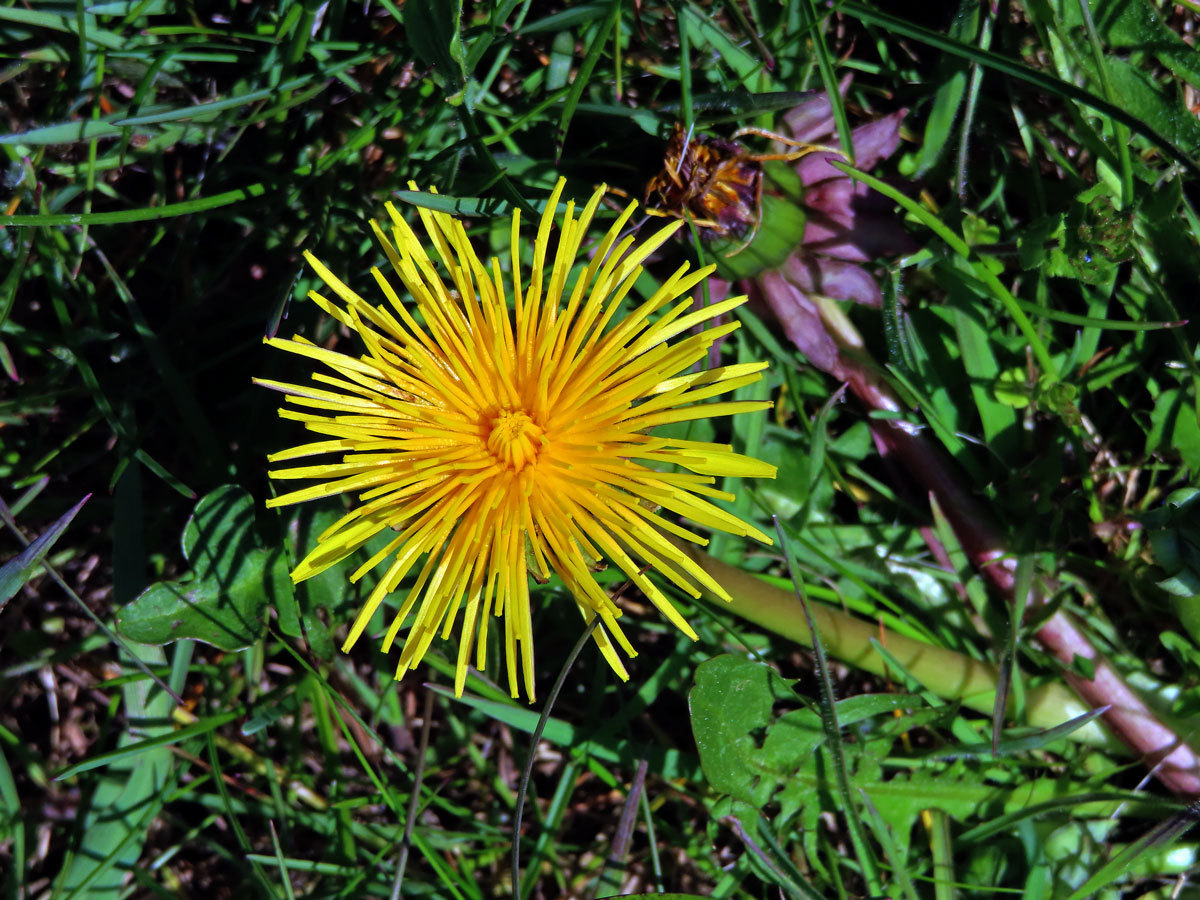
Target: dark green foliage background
<point>165,164</point>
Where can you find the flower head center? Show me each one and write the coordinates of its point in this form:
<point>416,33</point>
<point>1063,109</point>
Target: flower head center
<point>514,439</point>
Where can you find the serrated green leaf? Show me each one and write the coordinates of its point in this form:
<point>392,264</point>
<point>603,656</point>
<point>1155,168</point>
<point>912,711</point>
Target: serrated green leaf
<point>731,701</point>
<point>758,752</point>
<point>1137,25</point>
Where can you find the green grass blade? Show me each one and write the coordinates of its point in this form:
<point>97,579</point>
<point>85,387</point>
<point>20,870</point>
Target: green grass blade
<point>12,830</point>
<point>981,271</point>
<point>127,797</point>
<point>148,214</point>
<point>1120,130</point>
<point>1019,71</point>
<point>829,79</point>
<point>455,206</point>
<point>204,726</point>
<point>88,35</point>
<point>19,569</point>
<point>599,40</point>
<point>833,735</point>
<point>1158,838</point>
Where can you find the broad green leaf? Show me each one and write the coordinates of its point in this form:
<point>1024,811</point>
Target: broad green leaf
<point>1038,239</point>
<point>1000,420</point>
<point>1012,388</point>
<point>220,529</point>
<point>224,602</point>
<point>1174,532</point>
<point>229,613</point>
<point>562,54</point>
<point>952,80</point>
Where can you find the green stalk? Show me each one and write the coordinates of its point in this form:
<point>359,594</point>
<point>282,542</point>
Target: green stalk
<point>950,675</point>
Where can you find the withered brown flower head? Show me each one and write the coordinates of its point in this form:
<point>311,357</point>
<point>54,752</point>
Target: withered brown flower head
<point>717,181</point>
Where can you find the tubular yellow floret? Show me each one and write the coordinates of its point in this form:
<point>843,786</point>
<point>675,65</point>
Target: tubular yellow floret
<point>503,427</point>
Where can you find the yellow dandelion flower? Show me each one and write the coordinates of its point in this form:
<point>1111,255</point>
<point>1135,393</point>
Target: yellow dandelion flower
<point>503,434</point>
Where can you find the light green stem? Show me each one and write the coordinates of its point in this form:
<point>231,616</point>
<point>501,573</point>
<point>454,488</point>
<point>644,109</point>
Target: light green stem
<point>949,675</point>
